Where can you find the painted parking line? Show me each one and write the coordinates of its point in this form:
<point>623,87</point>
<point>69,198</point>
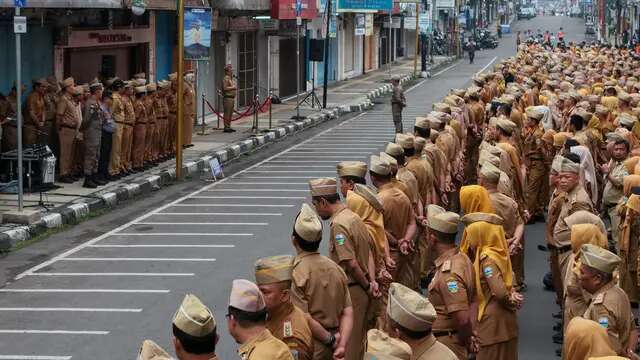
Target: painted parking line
<point>34,357</point>
<point>69,309</point>
<point>54,332</point>
<point>155,274</point>
<point>89,291</point>
<point>169,246</point>
<point>183,233</point>
<point>141,259</point>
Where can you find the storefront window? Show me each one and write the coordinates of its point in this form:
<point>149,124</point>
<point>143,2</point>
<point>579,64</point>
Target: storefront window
<point>247,68</point>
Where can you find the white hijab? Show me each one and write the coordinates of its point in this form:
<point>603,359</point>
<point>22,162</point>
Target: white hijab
<point>587,170</point>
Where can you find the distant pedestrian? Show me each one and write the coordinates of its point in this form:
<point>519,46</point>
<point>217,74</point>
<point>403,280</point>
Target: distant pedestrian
<point>398,102</point>
<point>518,39</point>
<point>471,49</point>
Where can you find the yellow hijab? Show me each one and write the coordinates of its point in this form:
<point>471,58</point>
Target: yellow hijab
<point>372,218</point>
<point>631,163</point>
<point>632,211</point>
<point>584,339</point>
<point>475,198</point>
<point>582,234</point>
<point>488,240</point>
<point>629,182</point>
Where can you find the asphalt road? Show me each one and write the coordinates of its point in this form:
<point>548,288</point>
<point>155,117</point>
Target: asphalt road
<point>97,290</point>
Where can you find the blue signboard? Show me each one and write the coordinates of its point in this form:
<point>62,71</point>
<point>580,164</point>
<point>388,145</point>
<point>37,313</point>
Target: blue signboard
<point>19,3</point>
<point>197,33</point>
<point>364,5</point>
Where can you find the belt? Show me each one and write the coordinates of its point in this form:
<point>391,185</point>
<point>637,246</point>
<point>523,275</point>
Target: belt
<point>121,122</point>
<point>161,118</point>
<point>560,249</point>
<point>68,127</point>
<point>229,97</point>
<point>141,123</point>
<point>445,333</point>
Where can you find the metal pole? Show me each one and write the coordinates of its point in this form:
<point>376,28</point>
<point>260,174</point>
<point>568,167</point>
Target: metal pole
<point>180,89</point>
<point>19,113</point>
<point>415,55</point>
<point>203,97</point>
<point>297,70</point>
<point>326,57</point>
<point>390,45</point>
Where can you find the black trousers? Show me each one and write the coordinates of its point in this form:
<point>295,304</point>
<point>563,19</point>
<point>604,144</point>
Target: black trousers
<point>105,153</point>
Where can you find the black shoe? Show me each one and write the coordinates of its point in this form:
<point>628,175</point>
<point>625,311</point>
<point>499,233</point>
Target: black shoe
<point>557,326</point>
<point>98,180</point>
<point>557,315</point>
<point>66,180</point>
<point>228,130</point>
<point>558,352</point>
<point>547,281</point>
<point>634,305</point>
<point>88,183</point>
<point>112,177</point>
<point>557,338</point>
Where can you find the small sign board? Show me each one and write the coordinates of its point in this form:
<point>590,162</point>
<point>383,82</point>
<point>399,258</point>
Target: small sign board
<point>20,24</point>
<point>19,3</point>
<point>216,168</point>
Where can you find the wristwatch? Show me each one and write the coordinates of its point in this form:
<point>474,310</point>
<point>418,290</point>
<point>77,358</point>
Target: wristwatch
<point>331,340</point>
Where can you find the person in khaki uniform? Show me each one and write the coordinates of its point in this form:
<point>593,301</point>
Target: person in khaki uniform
<point>452,288</point>
<point>229,88</point>
<point>149,142</point>
<point>189,110</point>
<point>411,316</point>
<point>614,173</point>
<point>247,324</point>
<point>513,223</point>
<point>381,346</point>
<point>609,305</point>
<point>285,320</point>
<point>149,350</point>
<point>172,102</point>
<point>536,172</point>
<point>165,90</point>
<point>398,102</point>
<point>92,119</point>
<point>575,200</point>
<point>129,124</point>
<point>161,119</point>
<point>399,219</point>
<point>586,339</point>
<point>194,330</point>
<point>67,120</point>
<point>9,121</point>
<point>35,113</point>
<point>349,248</point>
<point>118,114</point>
<point>505,129</point>
<point>50,99</point>
<point>474,133</point>
<point>139,130</point>
<point>325,298</point>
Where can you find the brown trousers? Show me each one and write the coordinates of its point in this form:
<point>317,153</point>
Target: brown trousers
<point>187,129</point>
<point>517,263</point>
<point>534,188</point>
<point>173,129</point>
<point>9,138</point>
<point>507,350</point>
<point>67,136</point>
<point>360,302</point>
<point>30,135</point>
<point>163,132</point>
<point>149,142</point>
<point>116,150</point>
<point>228,104</point>
<point>139,145</point>
<point>321,351</point>
<point>127,143</point>
<point>78,157</point>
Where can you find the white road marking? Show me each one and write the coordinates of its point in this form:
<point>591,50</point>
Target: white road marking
<point>33,357</point>
<point>55,332</point>
<point>292,166</point>
<point>138,259</point>
<point>343,143</point>
<point>202,223</point>
<point>486,66</point>
<point>269,183</point>
<point>251,197</point>
<point>69,309</point>
<point>330,152</point>
<point>215,213</point>
<point>164,246</point>
<point>108,274</point>
<point>415,86</point>
<point>444,70</point>
<point>117,291</point>
<point>301,161</point>
<point>234,205</point>
<point>293,171</point>
<point>73,250</point>
<point>265,190</point>
<point>183,234</point>
<point>279,177</point>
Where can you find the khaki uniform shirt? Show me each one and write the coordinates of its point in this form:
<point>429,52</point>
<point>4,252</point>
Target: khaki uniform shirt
<point>397,210</point>
<point>159,107</point>
<point>320,288</point>
<point>172,103</point>
<point>350,239</point>
<point>117,109</point>
<point>407,183</point>
<point>507,209</point>
<point>140,111</point>
<point>150,109</point>
<point>129,111</point>
<point>35,110</point>
<point>50,100</point>
<point>189,100</point>
<point>229,83</point>
<point>532,144</point>
<point>67,115</point>
<point>290,325</point>
<point>264,346</point>
<point>451,289</point>
<point>397,95</point>
<point>432,349</point>
<point>613,191</point>
<point>610,308</point>
<point>420,172</point>
<point>577,199</point>
<point>499,322</point>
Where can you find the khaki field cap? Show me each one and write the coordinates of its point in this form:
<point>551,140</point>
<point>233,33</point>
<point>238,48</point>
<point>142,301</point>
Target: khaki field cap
<point>78,90</point>
<point>585,217</point>
<point>441,220</point>
<point>140,75</point>
<point>141,89</point>
<point>352,168</point>
<point>152,351</point>
<point>569,166</point>
<point>410,309</point>
<point>273,269</point>
<point>490,172</point>
<point>626,119</point>
<point>41,82</point>
<point>534,112</point>
<point>370,195</point>
<point>506,125</point>
<point>422,122</point>
<point>308,225</point>
<point>323,186</point>
<point>442,107</point>
<point>379,166</point>
<point>393,163</point>
<point>598,258</point>
<point>194,318</point>
<point>68,82</point>
<point>624,96</point>
<point>382,346</point>
<point>173,76</point>
<point>246,296</point>
<point>419,143</point>
<point>393,149</point>
<point>163,84</point>
<point>152,87</point>
<point>140,82</point>
<point>404,140</point>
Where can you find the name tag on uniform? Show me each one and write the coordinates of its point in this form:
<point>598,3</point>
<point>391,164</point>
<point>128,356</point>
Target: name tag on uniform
<point>446,266</point>
<point>287,329</point>
<point>599,299</point>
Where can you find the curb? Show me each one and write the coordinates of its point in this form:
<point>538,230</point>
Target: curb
<point>79,209</point>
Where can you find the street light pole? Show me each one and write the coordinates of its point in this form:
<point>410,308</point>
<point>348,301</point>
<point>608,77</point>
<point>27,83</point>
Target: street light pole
<point>19,114</point>
<point>325,80</point>
<point>180,94</point>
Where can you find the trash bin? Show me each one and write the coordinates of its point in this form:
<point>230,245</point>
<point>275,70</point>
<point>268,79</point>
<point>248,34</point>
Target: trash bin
<point>506,28</point>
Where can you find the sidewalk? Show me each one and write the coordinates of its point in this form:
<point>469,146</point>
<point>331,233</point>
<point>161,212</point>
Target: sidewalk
<point>72,203</point>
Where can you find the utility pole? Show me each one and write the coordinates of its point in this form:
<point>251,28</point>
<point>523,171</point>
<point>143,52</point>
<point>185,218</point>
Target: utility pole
<point>18,31</point>
<point>415,56</point>
<point>325,81</point>
<point>180,94</point>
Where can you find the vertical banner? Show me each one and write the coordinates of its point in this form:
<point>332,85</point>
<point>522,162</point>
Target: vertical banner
<point>368,24</point>
<point>333,26</point>
<point>197,33</point>
<point>360,24</point>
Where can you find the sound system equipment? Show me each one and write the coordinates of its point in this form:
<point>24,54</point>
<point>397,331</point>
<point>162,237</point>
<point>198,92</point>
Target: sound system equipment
<point>316,50</point>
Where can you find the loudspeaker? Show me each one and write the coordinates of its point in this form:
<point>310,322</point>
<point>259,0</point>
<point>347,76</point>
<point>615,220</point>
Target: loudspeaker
<point>316,50</point>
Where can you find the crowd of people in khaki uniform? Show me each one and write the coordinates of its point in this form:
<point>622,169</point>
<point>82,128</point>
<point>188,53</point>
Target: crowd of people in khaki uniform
<point>548,135</point>
<point>103,130</point>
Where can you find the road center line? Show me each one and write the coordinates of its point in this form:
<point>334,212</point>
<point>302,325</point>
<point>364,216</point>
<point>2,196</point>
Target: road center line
<point>214,213</point>
<point>266,190</point>
<point>181,234</point>
<point>486,66</point>
<point>33,357</point>
<point>249,197</point>
<point>201,223</point>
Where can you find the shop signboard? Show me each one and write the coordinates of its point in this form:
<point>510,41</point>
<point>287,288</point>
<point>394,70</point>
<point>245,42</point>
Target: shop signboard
<point>410,23</point>
<point>425,22</point>
<point>197,33</point>
<point>362,6</point>
<point>359,25</point>
<point>368,24</point>
<point>333,27</point>
<point>445,4</point>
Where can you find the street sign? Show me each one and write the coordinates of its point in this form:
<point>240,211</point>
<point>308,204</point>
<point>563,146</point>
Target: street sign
<point>20,24</point>
<point>216,168</point>
<point>298,7</point>
<point>19,3</point>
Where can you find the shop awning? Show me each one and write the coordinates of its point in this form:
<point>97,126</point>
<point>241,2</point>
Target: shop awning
<point>103,4</point>
<point>242,6</point>
<point>285,9</point>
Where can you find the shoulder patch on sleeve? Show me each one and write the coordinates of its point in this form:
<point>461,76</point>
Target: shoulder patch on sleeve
<point>604,322</point>
<point>452,286</point>
<point>340,239</point>
<point>446,266</point>
<point>488,271</point>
